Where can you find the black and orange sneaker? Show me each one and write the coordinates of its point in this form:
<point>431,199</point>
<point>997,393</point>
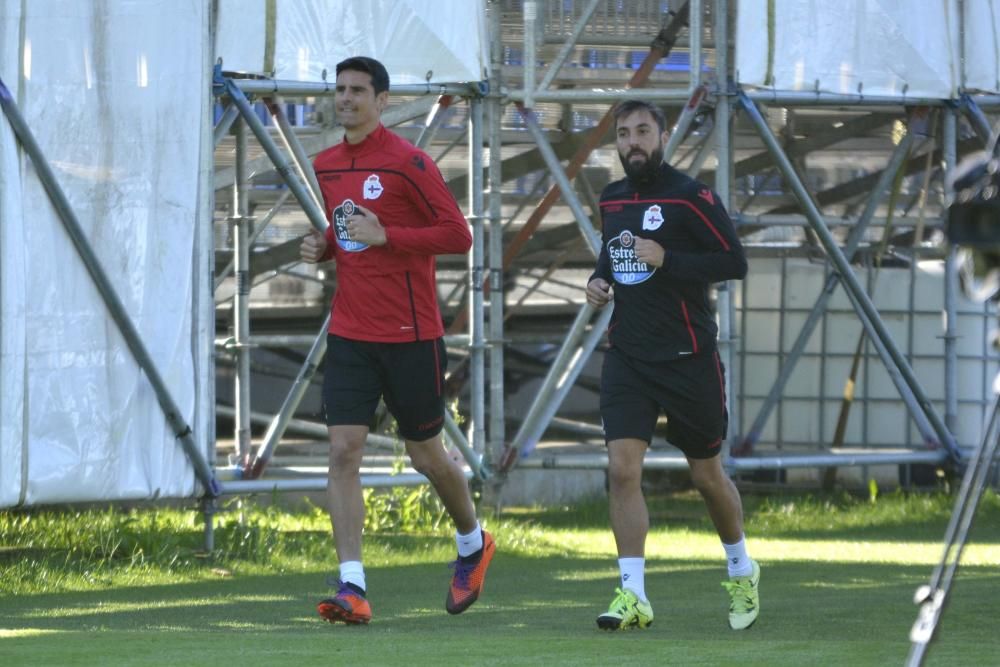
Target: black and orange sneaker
<point>347,606</point>
<point>470,574</point>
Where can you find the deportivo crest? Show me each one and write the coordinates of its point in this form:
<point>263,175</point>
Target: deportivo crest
<point>346,209</point>
<point>372,188</point>
<point>626,269</point>
<point>652,218</point>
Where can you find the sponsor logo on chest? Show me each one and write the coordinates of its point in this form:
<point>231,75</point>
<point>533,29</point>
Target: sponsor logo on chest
<point>626,268</point>
<point>346,209</point>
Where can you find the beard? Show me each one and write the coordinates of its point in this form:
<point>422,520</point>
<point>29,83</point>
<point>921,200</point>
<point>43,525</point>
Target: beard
<point>642,172</point>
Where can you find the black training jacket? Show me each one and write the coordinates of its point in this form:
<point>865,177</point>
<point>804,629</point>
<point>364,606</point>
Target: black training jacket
<point>664,313</point>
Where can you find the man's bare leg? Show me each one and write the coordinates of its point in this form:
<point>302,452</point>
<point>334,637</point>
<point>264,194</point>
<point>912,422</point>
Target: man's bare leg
<point>345,501</point>
<point>629,516</point>
<point>721,497</point>
<point>430,459</point>
<point>630,524</point>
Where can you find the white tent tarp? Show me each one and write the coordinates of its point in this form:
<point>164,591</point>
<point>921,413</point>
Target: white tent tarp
<point>12,279</point>
<point>418,41</point>
<point>120,113</point>
<point>982,45</point>
<point>871,47</point>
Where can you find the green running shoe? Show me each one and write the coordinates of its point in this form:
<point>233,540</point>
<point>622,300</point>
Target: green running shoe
<point>626,611</point>
<point>744,599</point>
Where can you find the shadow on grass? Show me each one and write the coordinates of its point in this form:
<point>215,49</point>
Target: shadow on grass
<point>527,595</point>
<point>535,611</point>
<point>836,516</point>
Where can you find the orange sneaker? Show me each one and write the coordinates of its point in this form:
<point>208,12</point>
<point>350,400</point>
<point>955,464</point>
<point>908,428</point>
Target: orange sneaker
<point>347,606</point>
<point>467,582</point>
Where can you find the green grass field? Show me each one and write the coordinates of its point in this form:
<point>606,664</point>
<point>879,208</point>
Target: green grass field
<point>106,587</point>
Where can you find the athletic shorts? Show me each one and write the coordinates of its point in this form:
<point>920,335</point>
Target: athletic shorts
<point>409,376</point>
<point>690,390</point>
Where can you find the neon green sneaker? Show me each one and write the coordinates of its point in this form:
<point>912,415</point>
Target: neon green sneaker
<point>626,611</point>
<point>744,599</point>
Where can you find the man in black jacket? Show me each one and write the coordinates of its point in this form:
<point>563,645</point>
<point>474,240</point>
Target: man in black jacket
<point>666,238</point>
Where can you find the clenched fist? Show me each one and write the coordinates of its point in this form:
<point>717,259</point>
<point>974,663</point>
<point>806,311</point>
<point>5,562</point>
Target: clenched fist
<point>313,246</point>
<point>599,292</point>
<point>364,227</point>
<point>650,252</point>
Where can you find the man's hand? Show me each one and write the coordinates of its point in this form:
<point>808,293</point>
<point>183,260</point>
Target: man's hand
<point>599,292</point>
<point>650,252</point>
<point>313,246</point>
<point>364,227</point>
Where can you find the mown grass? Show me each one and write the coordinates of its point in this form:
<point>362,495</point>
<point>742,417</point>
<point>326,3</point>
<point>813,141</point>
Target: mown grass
<point>112,586</point>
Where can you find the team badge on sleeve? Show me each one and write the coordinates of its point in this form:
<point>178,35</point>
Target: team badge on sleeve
<point>652,218</point>
<point>372,188</point>
<point>626,269</point>
<point>346,209</point>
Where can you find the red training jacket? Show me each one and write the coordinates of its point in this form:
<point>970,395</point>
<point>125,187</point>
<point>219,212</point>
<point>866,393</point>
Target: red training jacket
<point>388,293</point>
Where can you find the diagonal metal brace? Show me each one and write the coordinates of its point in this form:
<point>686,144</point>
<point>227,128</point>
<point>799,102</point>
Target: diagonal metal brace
<point>850,281</point>
<point>286,169</point>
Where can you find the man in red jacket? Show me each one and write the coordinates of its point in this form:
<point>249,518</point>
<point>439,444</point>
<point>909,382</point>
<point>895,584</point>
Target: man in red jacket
<point>390,214</point>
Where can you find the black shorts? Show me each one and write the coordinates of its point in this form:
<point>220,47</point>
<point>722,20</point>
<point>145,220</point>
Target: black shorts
<point>690,390</point>
<point>409,376</point>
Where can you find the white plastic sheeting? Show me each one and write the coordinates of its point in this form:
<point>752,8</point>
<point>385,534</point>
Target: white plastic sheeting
<point>12,292</point>
<point>115,94</point>
<point>982,45</point>
<point>418,41</point>
<point>872,47</point>
<point>773,306</point>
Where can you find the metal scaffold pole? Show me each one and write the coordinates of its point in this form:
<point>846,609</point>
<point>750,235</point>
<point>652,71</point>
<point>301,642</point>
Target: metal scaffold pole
<point>295,174</point>
<point>798,347</point>
<point>240,343</point>
<point>950,138</point>
<point>497,430</point>
<point>723,139</point>
<point>562,181</point>
<point>865,307</point>
<point>225,123</point>
<point>548,68</point>
<point>934,597</point>
<point>477,428</point>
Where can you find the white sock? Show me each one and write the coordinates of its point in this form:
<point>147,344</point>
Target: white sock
<point>737,559</point>
<point>470,543</point>
<point>353,572</point>
<point>633,573</point>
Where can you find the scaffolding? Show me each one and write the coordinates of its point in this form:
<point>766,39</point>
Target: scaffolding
<point>679,69</point>
<point>850,183</point>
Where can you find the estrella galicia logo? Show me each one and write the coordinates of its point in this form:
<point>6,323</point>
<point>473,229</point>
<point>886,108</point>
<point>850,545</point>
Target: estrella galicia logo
<point>346,209</point>
<point>625,267</point>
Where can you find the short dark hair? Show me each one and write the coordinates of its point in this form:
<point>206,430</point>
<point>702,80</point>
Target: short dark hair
<point>628,107</point>
<point>370,66</point>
